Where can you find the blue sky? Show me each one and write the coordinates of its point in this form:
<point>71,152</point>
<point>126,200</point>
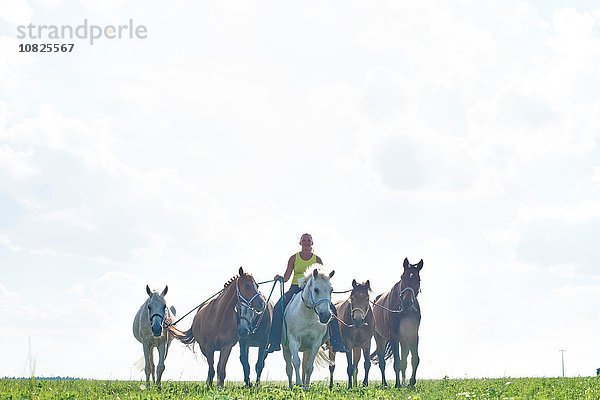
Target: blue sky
<point>460,134</point>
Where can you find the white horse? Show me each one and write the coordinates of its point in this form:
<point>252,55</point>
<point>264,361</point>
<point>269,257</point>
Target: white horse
<point>306,317</point>
<point>149,330</point>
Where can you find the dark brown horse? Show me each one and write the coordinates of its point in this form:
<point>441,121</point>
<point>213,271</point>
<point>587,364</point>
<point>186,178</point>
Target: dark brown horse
<point>230,317</point>
<point>253,328</point>
<point>357,329</point>
<point>397,318</point>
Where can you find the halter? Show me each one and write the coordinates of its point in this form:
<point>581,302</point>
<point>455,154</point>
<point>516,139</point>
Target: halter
<point>399,310</point>
<point>162,317</point>
<point>243,302</point>
<point>315,304</point>
<point>363,312</point>
<point>414,296</point>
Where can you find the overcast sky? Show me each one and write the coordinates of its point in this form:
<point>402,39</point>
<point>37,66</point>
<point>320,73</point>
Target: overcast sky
<point>466,135</point>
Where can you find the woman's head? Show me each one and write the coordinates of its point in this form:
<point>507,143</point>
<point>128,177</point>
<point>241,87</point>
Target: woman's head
<point>306,240</point>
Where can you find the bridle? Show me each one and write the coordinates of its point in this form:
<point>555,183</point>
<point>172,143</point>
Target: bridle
<point>414,297</point>
<point>399,310</point>
<point>163,318</point>
<point>363,312</point>
<point>242,302</point>
<point>314,304</point>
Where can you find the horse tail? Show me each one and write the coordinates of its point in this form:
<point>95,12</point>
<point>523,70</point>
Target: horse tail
<point>374,358</point>
<point>387,354</point>
<point>140,364</point>
<point>186,337</point>
<point>322,359</point>
<point>388,350</point>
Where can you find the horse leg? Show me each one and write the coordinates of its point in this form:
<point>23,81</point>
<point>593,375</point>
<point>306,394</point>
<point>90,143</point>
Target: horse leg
<point>288,364</point>
<point>350,367</point>
<point>210,359</point>
<point>148,362</point>
<point>162,355</point>
<point>304,364</point>
<point>260,362</point>
<point>404,361</point>
<point>414,356</point>
<point>223,357</point>
<point>331,366</point>
<point>355,361</point>
<point>308,365</point>
<point>397,361</point>
<point>244,361</point>
<point>366,351</point>
<point>380,351</point>
<point>294,346</point>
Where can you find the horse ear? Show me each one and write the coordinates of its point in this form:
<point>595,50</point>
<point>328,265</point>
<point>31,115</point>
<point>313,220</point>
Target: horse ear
<point>173,311</point>
<point>420,264</point>
<point>148,290</point>
<point>331,274</point>
<point>406,264</point>
<point>368,284</point>
<point>315,273</point>
<point>241,271</point>
<point>166,289</point>
<point>353,283</point>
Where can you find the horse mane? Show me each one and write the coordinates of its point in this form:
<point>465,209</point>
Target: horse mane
<point>229,282</point>
<point>309,273</point>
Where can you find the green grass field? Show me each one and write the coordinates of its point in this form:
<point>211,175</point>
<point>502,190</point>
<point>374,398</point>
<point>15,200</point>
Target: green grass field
<point>507,388</point>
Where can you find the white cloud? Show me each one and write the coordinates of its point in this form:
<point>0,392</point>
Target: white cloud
<point>569,213</point>
<point>17,163</point>
<point>7,296</point>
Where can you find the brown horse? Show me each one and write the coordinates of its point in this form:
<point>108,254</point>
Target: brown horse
<point>219,324</point>
<point>397,318</point>
<point>356,329</point>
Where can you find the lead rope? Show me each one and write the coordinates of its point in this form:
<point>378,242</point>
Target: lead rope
<point>262,313</point>
<point>283,312</point>
<point>385,308</point>
<point>198,306</point>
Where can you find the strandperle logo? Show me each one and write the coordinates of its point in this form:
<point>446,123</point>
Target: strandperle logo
<point>83,31</point>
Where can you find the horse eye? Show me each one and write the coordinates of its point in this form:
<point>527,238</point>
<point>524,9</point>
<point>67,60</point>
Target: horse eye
<point>316,291</point>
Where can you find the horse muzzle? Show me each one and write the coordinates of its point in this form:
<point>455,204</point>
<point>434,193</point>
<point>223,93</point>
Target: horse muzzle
<point>156,329</point>
<point>408,305</point>
<point>243,331</point>
<point>324,317</point>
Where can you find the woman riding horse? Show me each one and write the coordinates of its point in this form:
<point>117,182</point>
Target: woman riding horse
<point>298,265</point>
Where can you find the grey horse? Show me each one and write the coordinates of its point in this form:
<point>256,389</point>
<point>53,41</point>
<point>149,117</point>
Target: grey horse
<point>149,328</point>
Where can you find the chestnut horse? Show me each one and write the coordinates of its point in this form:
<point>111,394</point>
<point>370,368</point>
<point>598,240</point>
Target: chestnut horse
<point>397,318</point>
<point>220,323</point>
<point>357,328</point>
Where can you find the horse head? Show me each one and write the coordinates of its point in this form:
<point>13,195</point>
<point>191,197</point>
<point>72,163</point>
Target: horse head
<point>359,302</point>
<point>250,304</point>
<point>157,310</point>
<point>410,285</point>
<point>318,293</point>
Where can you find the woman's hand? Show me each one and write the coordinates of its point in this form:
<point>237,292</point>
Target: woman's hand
<point>278,278</point>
